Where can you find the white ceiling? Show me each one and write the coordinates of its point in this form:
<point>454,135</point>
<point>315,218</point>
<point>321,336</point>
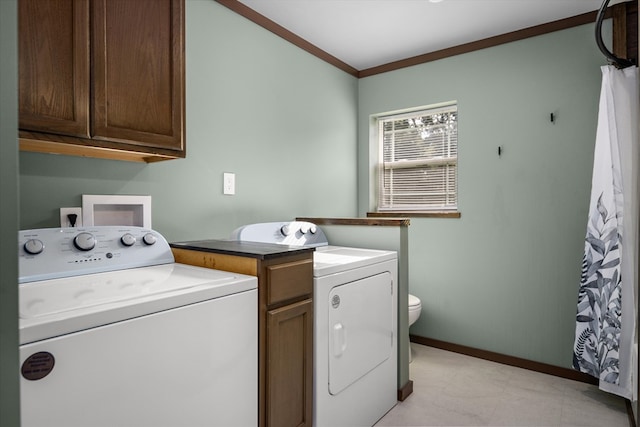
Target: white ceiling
<point>368,33</point>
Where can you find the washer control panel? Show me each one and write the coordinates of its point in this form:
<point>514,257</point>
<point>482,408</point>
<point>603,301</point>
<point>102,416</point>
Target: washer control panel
<point>49,253</point>
<point>292,233</point>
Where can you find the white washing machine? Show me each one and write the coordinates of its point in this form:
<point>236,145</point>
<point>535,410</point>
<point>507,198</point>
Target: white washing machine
<point>355,324</point>
<point>114,333</point>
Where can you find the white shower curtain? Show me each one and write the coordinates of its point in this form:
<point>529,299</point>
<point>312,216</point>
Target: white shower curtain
<point>606,315</point>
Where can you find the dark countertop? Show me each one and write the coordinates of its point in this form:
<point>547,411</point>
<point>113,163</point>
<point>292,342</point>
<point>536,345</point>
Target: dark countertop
<point>247,249</point>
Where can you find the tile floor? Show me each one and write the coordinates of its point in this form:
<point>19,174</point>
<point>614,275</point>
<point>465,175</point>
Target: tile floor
<point>451,389</point>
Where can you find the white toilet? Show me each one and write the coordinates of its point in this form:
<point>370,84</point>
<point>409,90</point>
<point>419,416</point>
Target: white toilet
<point>415,307</point>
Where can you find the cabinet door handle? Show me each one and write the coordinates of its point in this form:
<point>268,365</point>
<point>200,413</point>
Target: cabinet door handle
<point>339,339</point>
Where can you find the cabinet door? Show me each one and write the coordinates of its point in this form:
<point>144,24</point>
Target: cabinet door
<point>290,365</point>
<point>53,63</point>
<point>138,57</point>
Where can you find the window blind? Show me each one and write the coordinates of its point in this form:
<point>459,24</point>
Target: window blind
<point>418,168</point>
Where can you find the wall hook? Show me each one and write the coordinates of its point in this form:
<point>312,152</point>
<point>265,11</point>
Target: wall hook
<point>552,117</point>
<point>499,150</point>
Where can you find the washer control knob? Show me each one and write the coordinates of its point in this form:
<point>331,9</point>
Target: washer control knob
<point>285,230</point>
<point>304,229</point>
<point>313,229</point>
<point>128,239</point>
<point>149,239</point>
<point>33,246</point>
<point>84,241</point>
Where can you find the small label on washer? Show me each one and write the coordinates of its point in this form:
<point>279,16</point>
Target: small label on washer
<point>38,366</point>
<point>335,301</point>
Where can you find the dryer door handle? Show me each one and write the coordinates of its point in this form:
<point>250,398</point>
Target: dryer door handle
<point>339,339</point>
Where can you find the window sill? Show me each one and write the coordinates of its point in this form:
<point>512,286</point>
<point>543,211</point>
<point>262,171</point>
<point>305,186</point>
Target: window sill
<point>409,214</point>
<point>388,222</point>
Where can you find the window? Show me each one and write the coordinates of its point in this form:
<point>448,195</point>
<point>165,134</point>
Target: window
<point>418,160</point>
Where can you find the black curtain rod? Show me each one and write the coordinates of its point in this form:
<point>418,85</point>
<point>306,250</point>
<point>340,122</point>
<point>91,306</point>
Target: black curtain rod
<point>617,62</point>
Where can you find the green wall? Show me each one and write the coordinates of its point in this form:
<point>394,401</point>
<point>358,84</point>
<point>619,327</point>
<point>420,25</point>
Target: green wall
<point>9,384</point>
<point>279,118</point>
<point>503,277</point>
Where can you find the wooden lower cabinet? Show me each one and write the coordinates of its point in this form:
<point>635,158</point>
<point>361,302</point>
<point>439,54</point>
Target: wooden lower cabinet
<point>289,367</point>
<point>285,329</point>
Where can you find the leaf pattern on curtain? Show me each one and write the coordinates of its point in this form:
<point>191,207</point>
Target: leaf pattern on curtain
<point>598,321</point>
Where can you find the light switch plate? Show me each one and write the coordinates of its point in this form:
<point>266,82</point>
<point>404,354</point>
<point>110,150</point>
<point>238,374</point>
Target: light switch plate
<point>229,183</point>
<point>65,221</point>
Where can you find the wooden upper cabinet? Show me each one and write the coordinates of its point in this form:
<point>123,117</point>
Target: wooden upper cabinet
<point>54,66</point>
<point>138,71</point>
<point>102,78</point>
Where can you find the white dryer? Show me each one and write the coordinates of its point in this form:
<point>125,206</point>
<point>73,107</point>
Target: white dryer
<point>355,324</point>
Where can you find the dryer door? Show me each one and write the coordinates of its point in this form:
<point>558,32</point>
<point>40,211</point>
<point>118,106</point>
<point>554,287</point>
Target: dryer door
<point>360,329</point>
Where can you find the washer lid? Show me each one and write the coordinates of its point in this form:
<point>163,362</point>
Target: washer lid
<point>56,307</point>
<point>334,259</point>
